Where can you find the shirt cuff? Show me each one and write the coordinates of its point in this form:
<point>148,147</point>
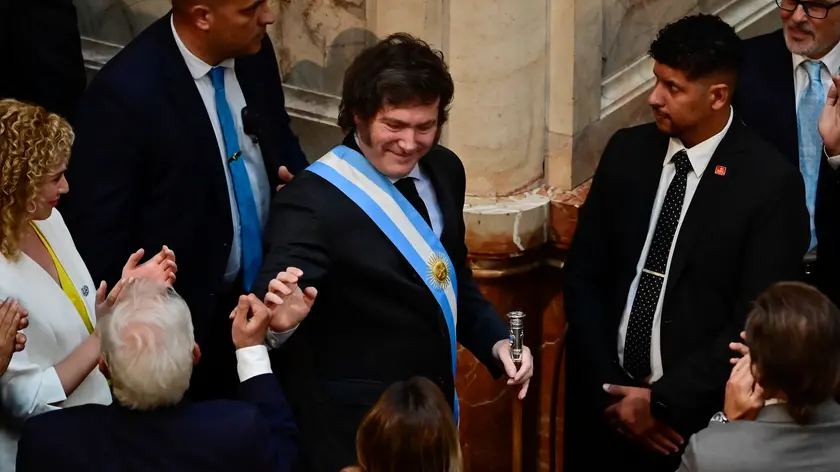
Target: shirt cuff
<point>833,161</point>
<point>273,339</point>
<point>51,391</point>
<point>252,361</point>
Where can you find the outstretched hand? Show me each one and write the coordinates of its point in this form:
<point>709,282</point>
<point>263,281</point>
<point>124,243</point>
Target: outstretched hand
<point>250,322</point>
<point>161,267</point>
<point>289,304</point>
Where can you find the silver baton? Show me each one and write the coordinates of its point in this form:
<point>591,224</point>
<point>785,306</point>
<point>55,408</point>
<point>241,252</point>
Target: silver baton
<point>517,333</point>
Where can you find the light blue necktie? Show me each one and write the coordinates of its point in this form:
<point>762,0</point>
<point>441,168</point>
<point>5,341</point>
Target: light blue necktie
<point>249,223</point>
<point>810,142</point>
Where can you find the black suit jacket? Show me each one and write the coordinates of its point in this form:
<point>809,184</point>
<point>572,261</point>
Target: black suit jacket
<point>766,99</point>
<point>742,232</point>
<point>146,171</point>
<point>254,434</point>
<point>374,321</point>
<point>42,54</point>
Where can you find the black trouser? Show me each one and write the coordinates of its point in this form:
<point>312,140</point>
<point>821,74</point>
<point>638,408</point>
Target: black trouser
<point>215,376</point>
<point>590,443</point>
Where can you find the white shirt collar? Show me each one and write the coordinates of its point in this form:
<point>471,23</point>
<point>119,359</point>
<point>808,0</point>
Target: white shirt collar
<point>701,154</point>
<point>414,174</point>
<point>831,60</point>
<point>197,67</point>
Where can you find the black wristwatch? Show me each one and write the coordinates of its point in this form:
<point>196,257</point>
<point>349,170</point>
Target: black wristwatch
<point>718,418</point>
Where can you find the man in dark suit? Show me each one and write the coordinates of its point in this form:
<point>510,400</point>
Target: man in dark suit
<point>384,311</point>
<point>183,138</point>
<point>784,82</point>
<point>148,351</point>
<point>688,219</point>
<point>42,54</point>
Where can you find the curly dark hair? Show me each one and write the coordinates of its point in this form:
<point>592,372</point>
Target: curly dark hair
<point>698,45</point>
<point>400,69</point>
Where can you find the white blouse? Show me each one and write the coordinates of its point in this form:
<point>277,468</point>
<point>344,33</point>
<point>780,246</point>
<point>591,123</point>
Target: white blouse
<point>31,385</point>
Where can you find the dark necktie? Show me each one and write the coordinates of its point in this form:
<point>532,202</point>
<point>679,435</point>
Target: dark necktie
<point>637,339</point>
<point>409,190</point>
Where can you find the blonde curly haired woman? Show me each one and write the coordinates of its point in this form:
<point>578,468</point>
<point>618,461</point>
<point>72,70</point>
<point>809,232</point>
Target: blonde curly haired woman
<point>41,270</point>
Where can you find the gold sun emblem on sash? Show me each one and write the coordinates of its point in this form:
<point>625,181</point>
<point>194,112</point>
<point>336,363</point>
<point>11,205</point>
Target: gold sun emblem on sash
<point>438,271</point>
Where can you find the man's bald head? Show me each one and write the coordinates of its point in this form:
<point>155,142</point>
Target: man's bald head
<point>216,30</point>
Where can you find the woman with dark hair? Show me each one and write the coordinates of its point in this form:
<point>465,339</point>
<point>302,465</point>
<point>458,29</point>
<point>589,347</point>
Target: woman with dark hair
<point>410,429</point>
<point>780,412</point>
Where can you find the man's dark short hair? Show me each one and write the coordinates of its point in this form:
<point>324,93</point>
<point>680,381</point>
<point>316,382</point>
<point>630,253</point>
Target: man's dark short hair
<point>698,45</point>
<point>399,70</point>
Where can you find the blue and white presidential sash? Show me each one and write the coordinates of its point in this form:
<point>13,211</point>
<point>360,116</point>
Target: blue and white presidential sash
<point>355,176</point>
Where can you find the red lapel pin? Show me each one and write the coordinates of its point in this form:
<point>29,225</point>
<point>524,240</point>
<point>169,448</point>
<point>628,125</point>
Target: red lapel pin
<point>720,170</point>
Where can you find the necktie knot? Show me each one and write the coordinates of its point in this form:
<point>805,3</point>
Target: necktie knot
<point>682,163</point>
<point>814,68</point>
<point>217,76</point>
<point>404,183</point>
<point>407,187</point>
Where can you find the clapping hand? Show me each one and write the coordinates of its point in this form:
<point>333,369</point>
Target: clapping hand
<point>250,322</point>
<point>740,348</point>
<point>288,304</point>
<point>829,122</point>
<point>161,268</point>
<point>105,301</point>
<point>13,318</point>
<point>744,397</point>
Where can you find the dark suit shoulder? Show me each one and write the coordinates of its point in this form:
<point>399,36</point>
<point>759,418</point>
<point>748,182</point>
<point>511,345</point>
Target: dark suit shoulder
<point>763,159</point>
<point>137,67</point>
<point>231,413</point>
<point>446,156</point>
<point>445,161</point>
<point>645,133</point>
<point>39,431</point>
<point>762,42</point>
<point>629,142</point>
<point>307,191</point>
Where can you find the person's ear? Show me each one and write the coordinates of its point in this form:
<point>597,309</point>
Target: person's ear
<point>103,367</point>
<point>196,351</point>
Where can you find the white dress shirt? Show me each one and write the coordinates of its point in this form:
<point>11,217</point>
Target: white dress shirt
<point>200,72</point>
<point>831,65</point>
<point>699,156</point>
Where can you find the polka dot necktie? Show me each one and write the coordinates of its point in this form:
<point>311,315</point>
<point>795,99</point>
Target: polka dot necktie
<point>637,340</point>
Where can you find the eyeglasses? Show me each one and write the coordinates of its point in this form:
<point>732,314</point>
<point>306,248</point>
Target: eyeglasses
<point>815,10</point>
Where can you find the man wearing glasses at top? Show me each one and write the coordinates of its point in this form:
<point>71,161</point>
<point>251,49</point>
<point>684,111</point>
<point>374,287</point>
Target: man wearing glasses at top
<point>788,95</point>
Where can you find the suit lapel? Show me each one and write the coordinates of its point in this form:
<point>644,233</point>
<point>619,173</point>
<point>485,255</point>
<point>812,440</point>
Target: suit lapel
<point>706,202</point>
<point>642,194</point>
<point>187,101</point>
<point>71,262</point>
